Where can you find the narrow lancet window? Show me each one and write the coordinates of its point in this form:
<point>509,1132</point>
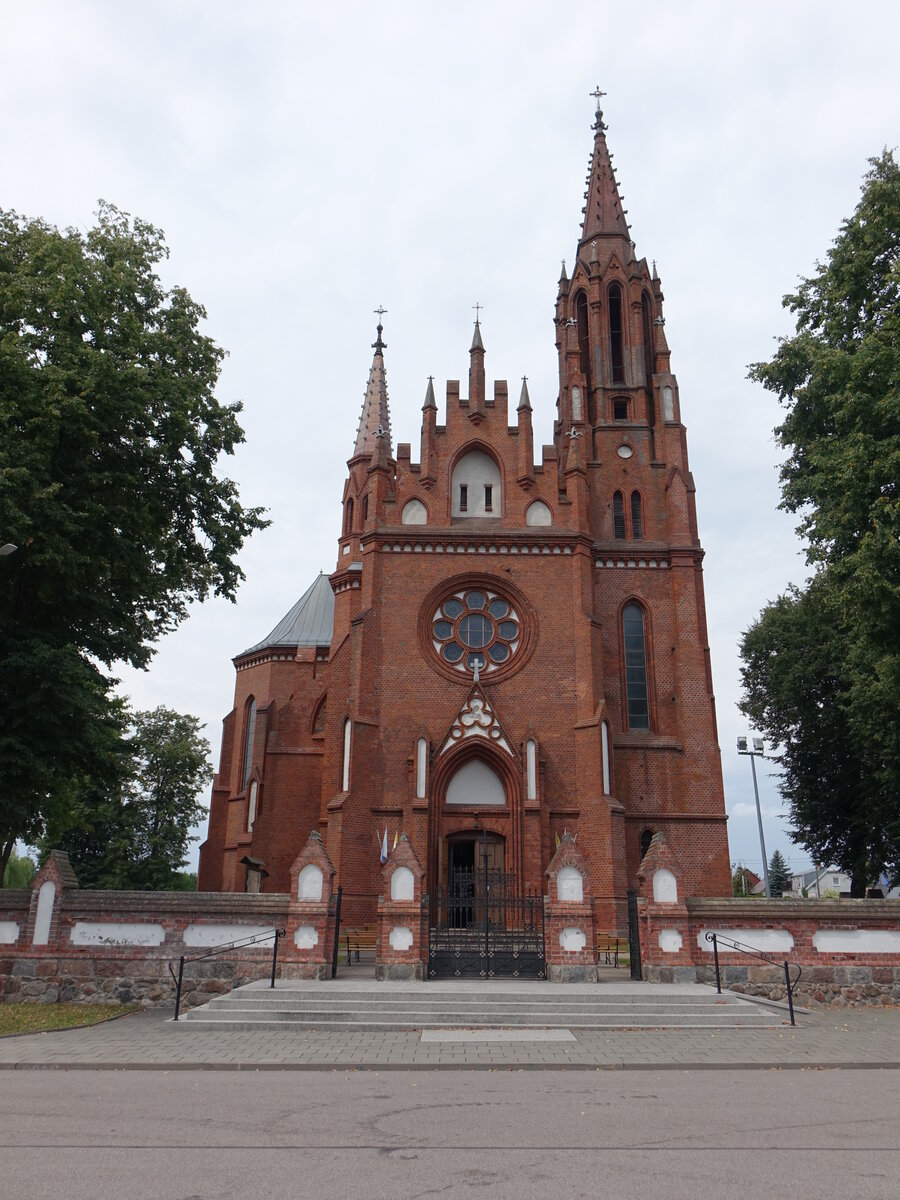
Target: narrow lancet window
<point>345,764</point>
<point>249,731</point>
<point>463,497</point>
<point>616,335</point>
<point>637,516</point>
<point>421,767</point>
<point>604,752</point>
<point>619,514</point>
<point>488,496</point>
<point>636,667</point>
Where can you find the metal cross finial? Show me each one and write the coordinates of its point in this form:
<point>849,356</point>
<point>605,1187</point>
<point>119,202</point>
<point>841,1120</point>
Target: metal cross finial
<point>596,92</point>
<point>380,310</point>
<point>524,378</point>
<point>478,307</point>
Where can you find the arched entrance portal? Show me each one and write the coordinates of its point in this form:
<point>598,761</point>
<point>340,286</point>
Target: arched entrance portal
<point>483,922</point>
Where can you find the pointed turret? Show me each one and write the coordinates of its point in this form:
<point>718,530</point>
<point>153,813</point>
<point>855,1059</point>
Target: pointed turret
<point>476,375</point>
<point>430,401</point>
<point>375,411</point>
<point>525,453</point>
<point>604,216</point>
<point>428,452</point>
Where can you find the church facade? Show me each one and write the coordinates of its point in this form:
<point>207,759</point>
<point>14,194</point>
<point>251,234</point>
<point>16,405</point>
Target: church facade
<point>507,650</point>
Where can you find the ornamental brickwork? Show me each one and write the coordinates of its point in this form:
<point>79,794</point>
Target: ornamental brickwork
<point>512,646</point>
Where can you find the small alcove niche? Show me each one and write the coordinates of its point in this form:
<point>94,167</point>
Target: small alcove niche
<point>414,513</point>
<point>309,883</point>
<point>538,513</point>
<point>665,887</point>
<point>475,486</point>
<point>403,884</point>
<point>570,885</point>
<point>44,915</point>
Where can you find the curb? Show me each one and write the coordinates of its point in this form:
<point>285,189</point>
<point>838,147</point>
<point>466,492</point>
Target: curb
<point>393,1066</point>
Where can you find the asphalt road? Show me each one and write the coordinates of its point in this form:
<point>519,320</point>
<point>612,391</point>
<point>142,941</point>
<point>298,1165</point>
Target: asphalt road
<point>294,1134</point>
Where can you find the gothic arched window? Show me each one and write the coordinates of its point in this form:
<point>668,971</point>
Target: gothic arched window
<point>348,517</point>
<point>584,341</point>
<point>636,689</point>
<point>646,839</point>
<point>637,516</point>
<point>647,323</point>
<point>616,335</point>
<point>249,731</point>
<point>619,514</point>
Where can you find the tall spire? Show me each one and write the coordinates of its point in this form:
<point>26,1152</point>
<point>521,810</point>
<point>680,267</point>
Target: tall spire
<point>604,215</point>
<point>375,411</point>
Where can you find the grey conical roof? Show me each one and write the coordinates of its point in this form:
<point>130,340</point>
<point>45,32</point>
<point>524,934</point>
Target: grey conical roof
<point>309,622</point>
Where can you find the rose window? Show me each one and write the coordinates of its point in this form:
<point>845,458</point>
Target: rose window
<point>475,627</point>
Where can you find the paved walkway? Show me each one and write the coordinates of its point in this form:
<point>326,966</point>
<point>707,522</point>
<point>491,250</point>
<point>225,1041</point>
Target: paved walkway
<point>849,1038</point>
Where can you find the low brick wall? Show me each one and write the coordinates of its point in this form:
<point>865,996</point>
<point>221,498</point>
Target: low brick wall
<point>116,946</point>
<point>848,950</point>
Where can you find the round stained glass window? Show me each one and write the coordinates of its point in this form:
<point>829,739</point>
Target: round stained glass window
<point>475,628</point>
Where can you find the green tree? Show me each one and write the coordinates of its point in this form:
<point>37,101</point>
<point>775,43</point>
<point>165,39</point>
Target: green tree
<point>110,487</point>
<point>779,874</point>
<point>822,665</point>
<point>134,831</point>
<point>20,871</point>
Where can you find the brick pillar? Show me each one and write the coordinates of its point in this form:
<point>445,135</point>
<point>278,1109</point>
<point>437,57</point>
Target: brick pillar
<point>667,954</point>
<point>401,951</point>
<point>571,944</point>
<point>54,877</point>
<point>309,940</point>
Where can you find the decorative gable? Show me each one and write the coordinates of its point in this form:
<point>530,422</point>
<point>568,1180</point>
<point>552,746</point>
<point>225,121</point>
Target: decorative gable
<point>476,719</point>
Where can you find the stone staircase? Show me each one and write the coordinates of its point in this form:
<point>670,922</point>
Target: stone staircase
<point>385,1007</point>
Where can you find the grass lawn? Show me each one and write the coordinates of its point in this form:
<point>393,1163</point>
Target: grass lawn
<point>35,1018</point>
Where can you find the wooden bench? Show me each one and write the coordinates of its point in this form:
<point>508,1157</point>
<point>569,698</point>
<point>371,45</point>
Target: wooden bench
<point>355,938</point>
<point>609,946</point>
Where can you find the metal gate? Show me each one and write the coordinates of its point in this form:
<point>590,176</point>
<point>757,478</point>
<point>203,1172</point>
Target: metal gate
<point>483,926</point>
<point>634,935</point>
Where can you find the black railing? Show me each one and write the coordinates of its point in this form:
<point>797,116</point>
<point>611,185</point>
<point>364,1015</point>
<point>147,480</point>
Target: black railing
<point>715,938</point>
<point>243,943</point>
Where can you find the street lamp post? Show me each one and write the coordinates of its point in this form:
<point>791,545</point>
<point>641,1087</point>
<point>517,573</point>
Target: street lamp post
<point>757,748</point>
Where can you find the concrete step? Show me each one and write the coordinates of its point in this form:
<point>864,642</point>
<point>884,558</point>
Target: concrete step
<point>404,1021</point>
<point>533,1006</point>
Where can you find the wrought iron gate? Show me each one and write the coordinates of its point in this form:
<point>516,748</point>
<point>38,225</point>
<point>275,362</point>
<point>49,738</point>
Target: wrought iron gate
<point>482,926</point>
<point>634,935</point>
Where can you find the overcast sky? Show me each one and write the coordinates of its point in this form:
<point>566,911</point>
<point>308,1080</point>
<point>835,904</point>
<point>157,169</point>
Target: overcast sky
<point>309,165</point>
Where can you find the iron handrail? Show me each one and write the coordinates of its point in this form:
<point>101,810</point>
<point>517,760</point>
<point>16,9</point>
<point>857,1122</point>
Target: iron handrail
<point>237,944</point>
<point>715,938</point>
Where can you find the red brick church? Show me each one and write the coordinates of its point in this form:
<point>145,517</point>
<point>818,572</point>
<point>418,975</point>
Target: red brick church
<point>507,649</point>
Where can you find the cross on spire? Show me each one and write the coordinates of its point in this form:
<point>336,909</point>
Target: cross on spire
<point>478,307</point>
<point>380,310</point>
<point>596,92</point>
